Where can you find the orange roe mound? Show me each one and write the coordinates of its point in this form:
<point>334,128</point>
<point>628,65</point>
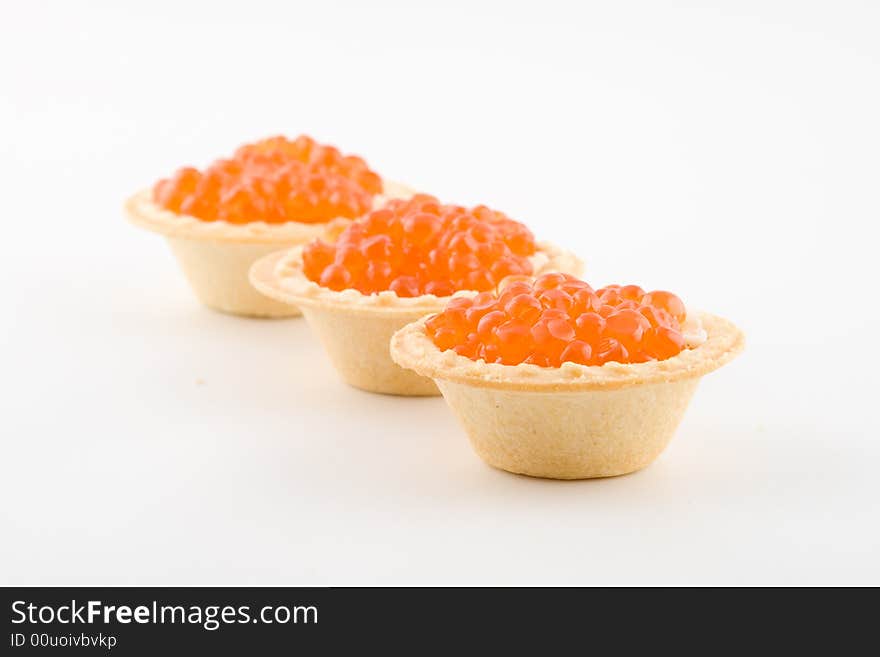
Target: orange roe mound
<point>419,246</point>
<point>274,180</point>
<point>558,318</point>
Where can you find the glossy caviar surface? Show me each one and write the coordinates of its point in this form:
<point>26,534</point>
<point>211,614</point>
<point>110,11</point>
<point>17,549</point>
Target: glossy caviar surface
<point>558,318</point>
<point>273,180</point>
<point>420,246</point>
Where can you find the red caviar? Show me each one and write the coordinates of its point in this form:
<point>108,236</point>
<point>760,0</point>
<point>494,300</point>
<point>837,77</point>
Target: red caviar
<point>420,246</point>
<point>558,318</point>
<point>273,180</point>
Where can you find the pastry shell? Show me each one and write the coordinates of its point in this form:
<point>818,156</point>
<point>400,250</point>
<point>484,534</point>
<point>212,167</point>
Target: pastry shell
<point>356,329</point>
<point>574,421</point>
<point>215,256</point>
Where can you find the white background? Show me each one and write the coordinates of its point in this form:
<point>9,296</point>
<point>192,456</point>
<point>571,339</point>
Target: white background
<point>729,151</point>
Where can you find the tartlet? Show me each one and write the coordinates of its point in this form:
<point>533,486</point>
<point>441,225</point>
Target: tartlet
<point>216,249</point>
<point>355,326</point>
<point>573,421</point>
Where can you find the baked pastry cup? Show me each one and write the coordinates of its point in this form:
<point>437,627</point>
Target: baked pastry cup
<point>216,256</point>
<point>271,194</point>
<point>574,421</point>
<point>356,328</point>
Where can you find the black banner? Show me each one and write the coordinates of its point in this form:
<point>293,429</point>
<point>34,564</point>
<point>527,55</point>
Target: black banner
<point>151,621</point>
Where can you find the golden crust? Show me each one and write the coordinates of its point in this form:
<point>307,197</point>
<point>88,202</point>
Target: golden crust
<point>570,435</point>
<point>355,328</point>
<point>412,348</point>
<point>218,274</point>
<point>143,212</point>
<point>280,277</point>
<point>358,346</point>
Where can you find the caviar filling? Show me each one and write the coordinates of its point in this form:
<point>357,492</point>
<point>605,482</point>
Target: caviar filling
<point>420,246</point>
<point>274,180</point>
<point>558,318</point>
